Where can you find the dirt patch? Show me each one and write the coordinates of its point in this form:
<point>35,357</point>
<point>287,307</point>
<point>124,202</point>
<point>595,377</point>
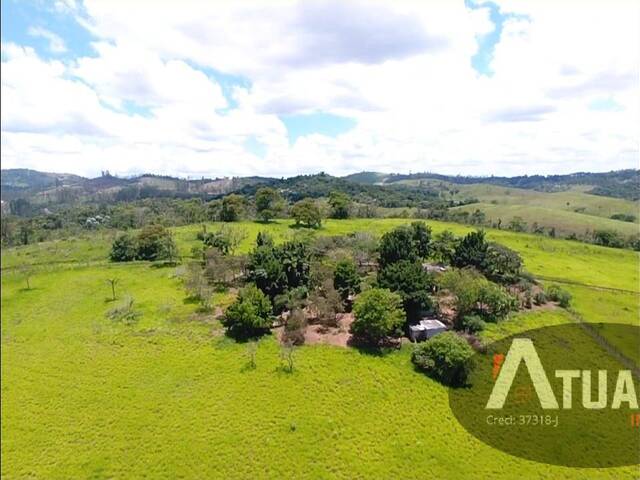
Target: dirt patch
<point>338,336</point>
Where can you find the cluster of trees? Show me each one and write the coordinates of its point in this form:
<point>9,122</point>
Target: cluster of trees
<point>153,242</point>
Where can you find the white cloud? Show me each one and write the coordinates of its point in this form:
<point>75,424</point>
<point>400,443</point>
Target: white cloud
<point>56,43</point>
<point>402,70</point>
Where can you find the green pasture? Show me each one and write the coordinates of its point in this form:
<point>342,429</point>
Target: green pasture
<point>170,396</point>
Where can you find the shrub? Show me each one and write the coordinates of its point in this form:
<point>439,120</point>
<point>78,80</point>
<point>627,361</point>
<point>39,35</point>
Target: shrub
<point>495,303</point>
<point>250,314</point>
<point>378,316</point>
<point>294,328</point>
<point>540,298</point>
<point>501,263</point>
<point>471,324</point>
<point>446,357</point>
<point>124,248</point>
<point>557,294</point>
<point>125,312</point>
<point>325,303</point>
<point>346,279</point>
<point>155,243</point>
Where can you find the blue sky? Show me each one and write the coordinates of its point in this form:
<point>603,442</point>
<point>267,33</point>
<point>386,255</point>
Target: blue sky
<point>233,88</point>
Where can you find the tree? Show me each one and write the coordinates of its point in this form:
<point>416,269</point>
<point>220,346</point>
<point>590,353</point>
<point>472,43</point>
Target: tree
<point>113,282</point>
<point>294,328</point>
<point>124,248</point>
<point>444,246</point>
<point>517,224</point>
<point>410,243</point>
<point>250,314</point>
<point>412,283</point>
<point>378,316</point>
<point>501,263</point>
<point>155,242</point>
<point>446,357</point>
<point>295,258</point>
<point>268,203</point>
<point>325,303</point>
<point>340,205</point>
<point>471,251</point>
<point>227,239</point>
<point>346,279</point>
<point>232,208</point>
<point>306,212</point>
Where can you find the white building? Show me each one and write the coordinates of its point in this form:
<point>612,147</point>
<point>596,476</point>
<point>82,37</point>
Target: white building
<point>426,329</point>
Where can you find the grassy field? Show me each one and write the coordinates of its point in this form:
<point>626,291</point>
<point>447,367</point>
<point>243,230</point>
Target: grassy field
<point>172,397</point>
<point>565,222</point>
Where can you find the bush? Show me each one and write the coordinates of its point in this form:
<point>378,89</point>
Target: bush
<point>124,248</point>
<point>378,316</point>
<point>346,279</point>
<point>540,298</point>
<point>155,243</point>
<point>557,294</point>
<point>495,303</point>
<point>501,263</point>
<point>325,303</point>
<point>471,323</point>
<point>250,314</point>
<point>294,328</point>
<point>446,357</point>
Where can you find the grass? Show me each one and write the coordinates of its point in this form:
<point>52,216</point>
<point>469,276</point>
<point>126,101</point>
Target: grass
<point>554,258</point>
<point>170,396</point>
<point>565,222</point>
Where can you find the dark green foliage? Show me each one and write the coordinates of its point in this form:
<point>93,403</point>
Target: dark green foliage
<point>412,283</point>
<point>555,293</point>
<point>124,248</point>
<point>340,205</point>
<point>268,203</point>
<point>410,243</point>
<point>155,243</point>
<point>274,269</point>
<point>232,208</point>
<point>444,246</point>
<point>250,314</point>
<point>378,316</point>
<point>446,357</point>
<point>264,240</point>
<point>608,238</point>
<point>306,212</point>
<point>471,324</point>
<point>346,279</point>
<point>501,263</point>
<point>471,251</point>
<point>624,217</point>
<point>218,241</point>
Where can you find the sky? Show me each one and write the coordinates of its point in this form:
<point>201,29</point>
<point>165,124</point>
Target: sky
<point>280,88</point>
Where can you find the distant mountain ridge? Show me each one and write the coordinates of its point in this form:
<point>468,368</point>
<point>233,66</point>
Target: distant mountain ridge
<point>25,183</point>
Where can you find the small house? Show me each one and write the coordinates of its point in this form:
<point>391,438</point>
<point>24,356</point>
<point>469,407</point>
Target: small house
<point>427,328</point>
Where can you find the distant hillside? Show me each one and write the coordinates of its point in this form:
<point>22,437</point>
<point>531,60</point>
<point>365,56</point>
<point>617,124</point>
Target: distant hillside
<point>620,184</point>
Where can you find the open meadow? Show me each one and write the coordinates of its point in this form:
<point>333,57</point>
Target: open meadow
<point>171,396</point>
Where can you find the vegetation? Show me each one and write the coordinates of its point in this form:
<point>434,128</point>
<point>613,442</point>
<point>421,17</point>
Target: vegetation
<point>346,279</point>
<point>446,357</point>
<point>153,242</point>
<point>378,316</point>
<point>412,283</point>
<point>250,314</point>
<point>184,369</point>
<point>269,203</point>
<point>306,212</point>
